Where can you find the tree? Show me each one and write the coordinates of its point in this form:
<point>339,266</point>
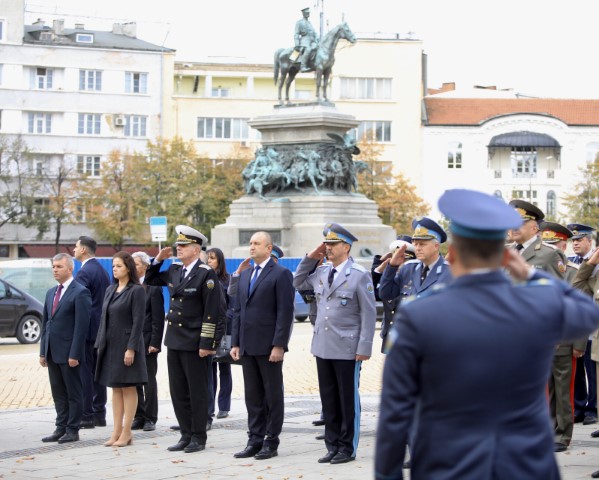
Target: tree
<point>397,199</point>
<point>16,183</point>
<point>113,202</point>
<point>583,202</point>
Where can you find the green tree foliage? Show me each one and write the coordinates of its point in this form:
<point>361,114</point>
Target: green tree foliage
<point>16,183</point>
<point>397,199</point>
<point>583,202</point>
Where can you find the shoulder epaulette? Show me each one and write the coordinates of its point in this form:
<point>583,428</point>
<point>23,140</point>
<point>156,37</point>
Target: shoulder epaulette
<point>410,261</point>
<point>203,265</point>
<point>437,288</point>
<point>549,245</point>
<point>540,282</point>
<point>358,267</point>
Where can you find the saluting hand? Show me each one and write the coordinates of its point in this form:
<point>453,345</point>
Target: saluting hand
<point>385,259</point>
<point>515,264</point>
<point>243,266</point>
<point>398,257</point>
<point>318,253</point>
<point>594,258</point>
<point>166,252</point>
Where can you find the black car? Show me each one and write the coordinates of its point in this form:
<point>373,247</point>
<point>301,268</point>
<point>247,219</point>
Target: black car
<point>20,314</point>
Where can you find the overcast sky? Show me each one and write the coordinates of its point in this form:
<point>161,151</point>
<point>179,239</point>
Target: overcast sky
<point>539,48</point>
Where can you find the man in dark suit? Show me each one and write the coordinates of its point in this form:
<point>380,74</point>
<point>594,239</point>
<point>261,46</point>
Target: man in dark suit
<point>146,415</point>
<point>460,353</point>
<point>93,277</point>
<point>62,347</point>
<point>261,331</point>
<point>193,330</point>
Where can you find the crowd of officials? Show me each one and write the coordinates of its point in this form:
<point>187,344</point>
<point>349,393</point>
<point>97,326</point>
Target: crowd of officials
<point>485,345</point>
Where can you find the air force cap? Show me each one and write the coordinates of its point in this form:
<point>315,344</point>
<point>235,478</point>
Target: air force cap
<point>427,229</point>
<point>527,211</point>
<point>478,215</point>
<point>187,235</point>
<point>554,232</point>
<point>579,230</point>
<point>276,252</point>
<point>333,232</point>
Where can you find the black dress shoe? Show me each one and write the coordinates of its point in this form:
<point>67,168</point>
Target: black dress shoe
<point>341,457</point>
<point>180,445</point>
<point>222,414</point>
<point>69,437</point>
<point>560,447</point>
<point>100,422</point>
<point>266,453</point>
<point>175,427</point>
<point>194,446</point>
<point>595,434</point>
<point>328,457</point>
<point>589,420</point>
<point>248,451</point>
<point>54,436</point>
<point>138,424</point>
<point>87,424</point>
<point>578,418</point>
<point>319,437</point>
<point>318,423</point>
<point>149,426</point>
<point>595,474</point>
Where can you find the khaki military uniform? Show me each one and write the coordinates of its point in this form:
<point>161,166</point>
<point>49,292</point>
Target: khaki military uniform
<point>545,257</point>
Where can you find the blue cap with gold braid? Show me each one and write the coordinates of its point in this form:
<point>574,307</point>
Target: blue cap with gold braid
<point>276,252</point>
<point>333,232</point>
<point>579,230</point>
<point>427,229</point>
<point>478,215</point>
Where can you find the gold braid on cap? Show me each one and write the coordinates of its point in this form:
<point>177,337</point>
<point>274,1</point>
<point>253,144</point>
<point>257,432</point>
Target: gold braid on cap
<point>333,236</point>
<point>421,231</point>
<point>524,214</point>
<point>549,235</point>
<point>182,238</point>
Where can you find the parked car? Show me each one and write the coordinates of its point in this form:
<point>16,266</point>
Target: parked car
<point>20,314</point>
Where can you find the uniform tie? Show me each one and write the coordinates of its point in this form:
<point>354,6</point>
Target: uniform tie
<point>578,260</point>
<point>56,298</point>
<point>424,274</point>
<point>183,272</point>
<point>332,276</point>
<point>519,247</point>
<point>254,277</point>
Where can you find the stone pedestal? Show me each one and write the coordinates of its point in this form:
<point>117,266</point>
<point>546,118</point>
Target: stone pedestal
<point>296,219</point>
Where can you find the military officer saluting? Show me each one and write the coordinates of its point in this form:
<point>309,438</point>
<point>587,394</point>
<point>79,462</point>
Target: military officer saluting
<point>560,378</point>
<point>530,245</point>
<point>416,276</point>
<point>191,335</point>
<point>342,338</point>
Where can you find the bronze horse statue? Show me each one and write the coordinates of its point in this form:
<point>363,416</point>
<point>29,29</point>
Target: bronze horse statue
<point>322,63</point>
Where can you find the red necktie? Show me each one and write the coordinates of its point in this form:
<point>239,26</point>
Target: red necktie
<point>56,298</point>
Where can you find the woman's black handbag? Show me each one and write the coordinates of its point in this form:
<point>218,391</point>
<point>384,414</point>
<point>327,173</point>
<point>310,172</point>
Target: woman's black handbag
<point>223,351</point>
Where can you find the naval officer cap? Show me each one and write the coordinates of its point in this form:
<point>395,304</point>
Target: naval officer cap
<point>427,229</point>
<point>554,232</point>
<point>580,231</point>
<point>276,252</point>
<point>527,210</point>
<point>478,215</point>
<point>187,235</point>
<point>306,10</point>
<point>405,238</point>
<point>333,233</point>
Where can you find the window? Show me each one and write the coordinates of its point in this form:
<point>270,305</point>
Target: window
<point>498,194</point>
<point>41,78</point>
<point>370,88</point>
<point>90,80</point>
<point>524,162</point>
<point>135,126</point>
<point>88,165</point>
<point>233,128</point>
<point>550,210</point>
<point>220,92</point>
<point>379,131</point>
<point>454,155</point>
<point>136,82</point>
<point>39,122</point>
<point>81,212</point>
<point>592,152</point>
<point>529,195</point>
<point>84,38</point>
<point>89,124</point>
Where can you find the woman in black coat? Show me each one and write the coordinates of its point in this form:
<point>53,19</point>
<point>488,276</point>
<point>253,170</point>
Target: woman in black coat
<point>121,360</point>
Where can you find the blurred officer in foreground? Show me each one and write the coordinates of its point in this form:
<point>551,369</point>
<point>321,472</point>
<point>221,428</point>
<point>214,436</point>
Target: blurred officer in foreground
<point>343,333</point>
<point>560,379</point>
<point>483,416</point>
<point>585,399</point>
